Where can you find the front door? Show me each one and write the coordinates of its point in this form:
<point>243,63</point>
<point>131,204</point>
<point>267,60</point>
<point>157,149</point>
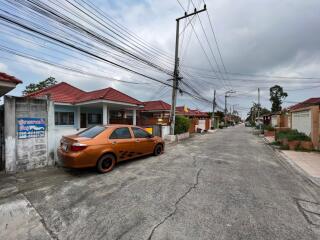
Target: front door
<point>83,120</point>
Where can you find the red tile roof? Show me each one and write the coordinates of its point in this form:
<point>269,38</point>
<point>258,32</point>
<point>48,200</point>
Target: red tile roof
<point>306,103</point>
<point>190,112</point>
<point>156,105</point>
<point>7,78</point>
<point>61,92</point>
<point>66,93</point>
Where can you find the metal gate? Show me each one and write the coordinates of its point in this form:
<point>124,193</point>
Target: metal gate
<point>156,130</point>
<point>302,121</point>
<point>2,160</point>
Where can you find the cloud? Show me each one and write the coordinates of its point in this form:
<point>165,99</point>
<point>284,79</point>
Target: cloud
<point>268,37</point>
<point>3,67</point>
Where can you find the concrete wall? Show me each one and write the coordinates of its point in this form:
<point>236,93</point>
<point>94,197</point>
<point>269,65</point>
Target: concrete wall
<point>57,135</point>
<point>24,154</point>
<point>10,134</point>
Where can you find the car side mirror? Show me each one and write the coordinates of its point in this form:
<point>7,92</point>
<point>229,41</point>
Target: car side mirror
<point>150,136</point>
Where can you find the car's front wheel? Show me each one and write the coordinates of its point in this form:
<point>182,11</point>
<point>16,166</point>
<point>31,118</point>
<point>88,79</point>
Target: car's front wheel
<point>106,163</point>
<point>158,149</point>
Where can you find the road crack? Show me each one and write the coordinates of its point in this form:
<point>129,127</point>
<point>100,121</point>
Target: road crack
<point>176,204</point>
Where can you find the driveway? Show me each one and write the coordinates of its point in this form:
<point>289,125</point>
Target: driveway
<point>225,185</point>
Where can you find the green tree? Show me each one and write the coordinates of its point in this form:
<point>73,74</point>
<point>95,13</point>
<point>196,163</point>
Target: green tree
<point>253,113</point>
<point>182,124</point>
<point>277,95</point>
<point>33,87</point>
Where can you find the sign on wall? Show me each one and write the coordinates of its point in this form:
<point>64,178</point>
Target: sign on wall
<point>31,127</point>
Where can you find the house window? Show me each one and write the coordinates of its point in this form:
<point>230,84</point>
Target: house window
<point>64,118</point>
<point>94,118</point>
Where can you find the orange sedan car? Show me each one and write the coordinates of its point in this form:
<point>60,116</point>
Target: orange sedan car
<point>103,146</point>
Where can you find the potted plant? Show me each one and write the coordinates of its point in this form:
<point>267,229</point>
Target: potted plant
<point>269,131</point>
<point>306,145</point>
<point>305,142</point>
<point>297,139</point>
<point>293,144</point>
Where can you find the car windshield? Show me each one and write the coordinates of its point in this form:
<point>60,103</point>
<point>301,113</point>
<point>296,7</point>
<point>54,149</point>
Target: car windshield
<point>92,132</point>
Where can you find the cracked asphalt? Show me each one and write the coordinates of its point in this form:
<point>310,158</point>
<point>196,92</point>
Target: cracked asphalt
<point>225,185</point>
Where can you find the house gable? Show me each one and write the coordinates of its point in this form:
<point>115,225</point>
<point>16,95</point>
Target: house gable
<point>66,93</point>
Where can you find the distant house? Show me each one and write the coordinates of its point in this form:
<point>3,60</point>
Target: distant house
<point>154,112</point>
<point>199,120</point>
<point>7,83</point>
<point>305,117</point>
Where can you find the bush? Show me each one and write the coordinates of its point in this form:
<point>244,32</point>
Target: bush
<point>292,135</point>
<point>268,128</point>
<point>182,125</point>
<point>283,134</point>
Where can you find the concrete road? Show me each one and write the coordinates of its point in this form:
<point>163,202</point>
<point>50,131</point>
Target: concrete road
<point>225,185</point>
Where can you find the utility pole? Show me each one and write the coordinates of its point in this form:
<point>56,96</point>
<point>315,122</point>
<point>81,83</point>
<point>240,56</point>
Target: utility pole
<point>213,107</point>
<point>176,77</point>
<point>225,105</point>
<point>225,110</point>
<point>259,108</point>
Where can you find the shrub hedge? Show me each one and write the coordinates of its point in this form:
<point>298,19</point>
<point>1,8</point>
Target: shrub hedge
<point>182,125</point>
<point>292,135</point>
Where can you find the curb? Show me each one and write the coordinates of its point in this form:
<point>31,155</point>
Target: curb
<point>298,168</point>
<point>294,166</point>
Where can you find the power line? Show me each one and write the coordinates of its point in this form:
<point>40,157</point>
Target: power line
<point>252,74</point>
<point>212,53</point>
<point>199,41</point>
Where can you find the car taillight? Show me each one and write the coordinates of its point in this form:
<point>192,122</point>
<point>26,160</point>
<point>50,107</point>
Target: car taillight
<point>76,147</point>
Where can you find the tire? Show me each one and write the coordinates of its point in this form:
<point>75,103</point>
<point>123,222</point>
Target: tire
<point>106,163</point>
<point>158,150</point>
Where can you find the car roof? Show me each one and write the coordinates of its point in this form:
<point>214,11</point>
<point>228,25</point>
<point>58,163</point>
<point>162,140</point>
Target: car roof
<point>120,125</point>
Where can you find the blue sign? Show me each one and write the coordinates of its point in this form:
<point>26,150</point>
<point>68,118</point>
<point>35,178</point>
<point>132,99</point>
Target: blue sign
<point>31,127</point>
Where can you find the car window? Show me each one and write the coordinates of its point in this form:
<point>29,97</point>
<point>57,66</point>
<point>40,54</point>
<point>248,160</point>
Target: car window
<point>92,132</point>
<point>121,133</point>
<point>140,133</point>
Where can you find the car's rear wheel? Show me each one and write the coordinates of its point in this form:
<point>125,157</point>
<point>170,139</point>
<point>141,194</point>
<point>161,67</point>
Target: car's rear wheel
<point>158,149</point>
<point>106,163</point>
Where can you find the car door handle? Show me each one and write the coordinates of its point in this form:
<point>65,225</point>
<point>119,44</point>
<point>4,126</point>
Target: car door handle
<point>137,140</point>
<point>114,142</point>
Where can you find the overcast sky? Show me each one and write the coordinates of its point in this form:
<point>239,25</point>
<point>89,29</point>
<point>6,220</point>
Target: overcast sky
<point>265,37</point>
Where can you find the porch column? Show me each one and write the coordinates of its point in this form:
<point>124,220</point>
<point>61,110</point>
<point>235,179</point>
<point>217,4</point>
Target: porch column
<point>78,117</point>
<point>105,114</point>
<point>134,117</point>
